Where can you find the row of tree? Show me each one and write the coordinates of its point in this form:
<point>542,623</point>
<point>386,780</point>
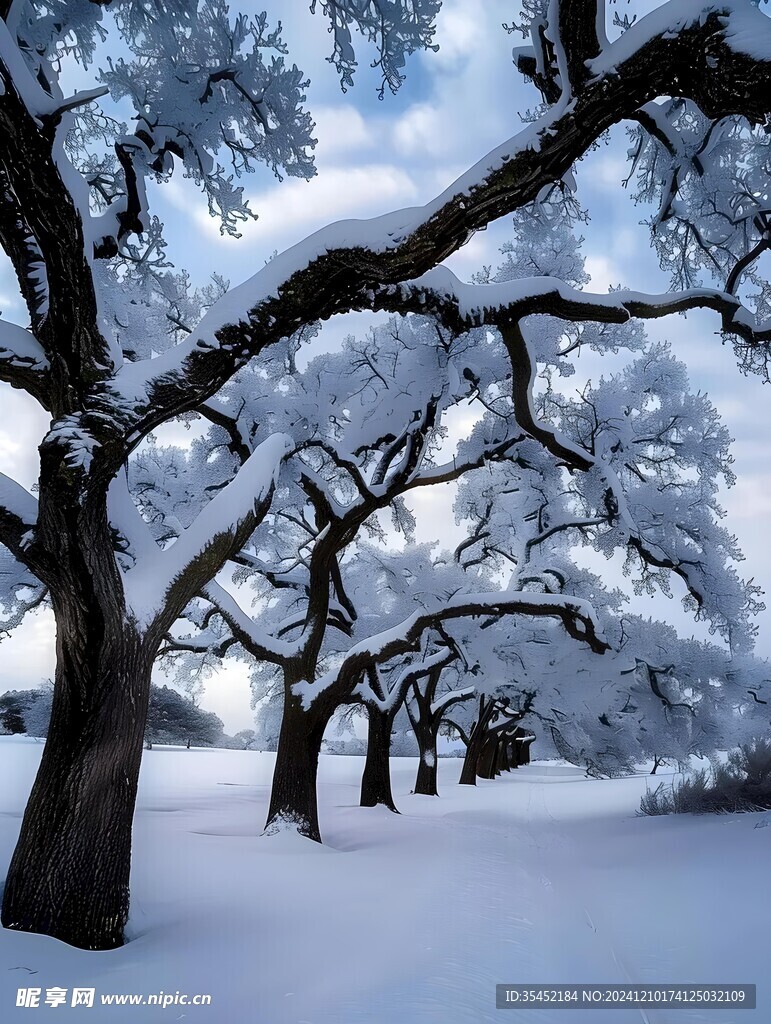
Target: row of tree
<point>349,610</point>
<point>144,551</point>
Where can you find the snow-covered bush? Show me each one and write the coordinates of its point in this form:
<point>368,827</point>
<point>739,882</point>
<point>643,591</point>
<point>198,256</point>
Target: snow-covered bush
<point>353,745</point>
<point>742,784</point>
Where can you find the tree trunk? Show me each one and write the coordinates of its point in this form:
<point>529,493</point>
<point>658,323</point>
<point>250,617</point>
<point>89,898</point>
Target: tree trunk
<point>69,876</point>
<point>376,778</point>
<point>293,797</point>
<point>486,762</point>
<point>426,780</point>
<point>476,740</point>
<point>526,744</point>
<point>499,763</point>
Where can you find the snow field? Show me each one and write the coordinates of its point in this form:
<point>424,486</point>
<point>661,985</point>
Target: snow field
<point>542,876</point>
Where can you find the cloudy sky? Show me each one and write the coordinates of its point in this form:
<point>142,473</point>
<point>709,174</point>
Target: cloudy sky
<point>375,156</point>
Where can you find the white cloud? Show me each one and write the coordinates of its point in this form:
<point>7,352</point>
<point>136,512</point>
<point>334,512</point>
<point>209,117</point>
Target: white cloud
<point>415,133</point>
<point>295,208</point>
<point>603,273</point>
<point>608,169</point>
<point>341,129</point>
<point>460,32</point>
<point>750,497</point>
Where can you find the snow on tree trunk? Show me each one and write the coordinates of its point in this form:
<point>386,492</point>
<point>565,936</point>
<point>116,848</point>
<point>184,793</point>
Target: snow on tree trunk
<point>293,797</point>
<point>523,745</point>
<point>376,778</point>
<point>426,779</point>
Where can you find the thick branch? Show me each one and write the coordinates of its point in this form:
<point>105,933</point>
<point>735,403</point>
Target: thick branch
<point>576,616</point>
<point>255,641</point>
<point>69,331</point>
<point>18,518</point>
<point>23,363</point>
<point>577,25</point>
<point>680,49</point>
<point>158,587</point>
<point>397,691</point>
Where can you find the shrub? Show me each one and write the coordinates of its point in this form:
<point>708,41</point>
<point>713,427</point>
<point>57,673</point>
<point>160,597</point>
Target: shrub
<point>657,801</point>
<point>742,784</point>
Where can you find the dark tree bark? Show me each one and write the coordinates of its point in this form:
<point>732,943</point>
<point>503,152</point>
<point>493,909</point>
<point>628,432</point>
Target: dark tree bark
<point>376,778</point>
<point>468,772</point>
<point>501,759</point>
<point>426,719</point>
<point>293,795</point>
<point>468,775</point>
<point>524,742</point>
<point>426,781</point>
<point>425,725</point>
<point>486,751</point>
<point>486,762</point>
<point>484,744</point>
<point>69,877</point>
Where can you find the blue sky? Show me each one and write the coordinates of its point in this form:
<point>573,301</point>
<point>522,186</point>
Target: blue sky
<point>375,156</point>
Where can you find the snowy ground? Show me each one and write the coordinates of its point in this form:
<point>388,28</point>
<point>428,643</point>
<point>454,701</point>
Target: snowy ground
<point>540,877</point>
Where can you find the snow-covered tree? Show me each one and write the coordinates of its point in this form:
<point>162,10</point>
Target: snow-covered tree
<point>210,94</point>
<point>668,451</point>
<point>245,739</point>
<point>366,423</point>
<point>26,711</point>
<point>173,718</point>
<point>431,698</point>
<point>656,451</point>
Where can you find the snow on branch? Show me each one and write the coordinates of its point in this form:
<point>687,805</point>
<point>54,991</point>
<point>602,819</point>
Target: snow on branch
<point>23,363</point>
<point>462,305</point>
<point>256,641</point>
<point>441,704</point>
<point>136,539</point>
<point>163,581</point>
<point>575,614</point>
<point>393,693</point>
<point>20,592</point>
<point>340,267</point>
<point>18,518</point>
